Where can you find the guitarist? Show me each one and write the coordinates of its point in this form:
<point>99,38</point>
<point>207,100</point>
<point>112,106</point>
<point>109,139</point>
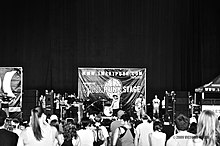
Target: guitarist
<point>139,106</point>
<point>113,108</point>
<point>115,104</point>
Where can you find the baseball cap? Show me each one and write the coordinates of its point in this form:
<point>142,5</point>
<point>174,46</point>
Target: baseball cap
<point>120,113</point>
<point>53,117</point>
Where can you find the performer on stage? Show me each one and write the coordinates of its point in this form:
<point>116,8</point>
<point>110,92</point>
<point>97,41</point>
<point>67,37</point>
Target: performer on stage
<point>139,106</point>
<point>116,104</point>
<point>163,105</point>
<point>5,103</point>
<point>57,104</point>
<point>156,105</point>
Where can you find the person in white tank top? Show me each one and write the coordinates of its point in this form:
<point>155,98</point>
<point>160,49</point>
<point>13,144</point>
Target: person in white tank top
<point>40,133</point>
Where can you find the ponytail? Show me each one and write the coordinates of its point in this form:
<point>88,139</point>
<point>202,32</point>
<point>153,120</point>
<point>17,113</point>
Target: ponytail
<point>36,113</point>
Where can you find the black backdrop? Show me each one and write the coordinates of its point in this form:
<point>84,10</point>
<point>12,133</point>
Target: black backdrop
<point>177,41</point>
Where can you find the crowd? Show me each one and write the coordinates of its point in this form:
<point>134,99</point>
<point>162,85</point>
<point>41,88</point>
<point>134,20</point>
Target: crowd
<point>123,131</point>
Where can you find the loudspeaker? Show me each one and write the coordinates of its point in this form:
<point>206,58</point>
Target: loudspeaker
<point>49,103</point>
<point>29,101</point>
<point>75,111</point>
<point>182,103</point>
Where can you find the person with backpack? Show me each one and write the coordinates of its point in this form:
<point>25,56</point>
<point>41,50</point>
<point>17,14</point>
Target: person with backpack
<point>85,133</point>
<point>124,135</point>
<point>100,132</point>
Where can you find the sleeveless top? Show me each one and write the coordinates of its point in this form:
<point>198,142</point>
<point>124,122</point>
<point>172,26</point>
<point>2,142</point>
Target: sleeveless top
<point>67,143</point>
<point>127,139</point>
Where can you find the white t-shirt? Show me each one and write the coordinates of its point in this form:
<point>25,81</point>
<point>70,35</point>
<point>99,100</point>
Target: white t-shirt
<point>157,138</point>
<point>142,132</point>
<point>163,103</point>
<point>105,133</point>
<point>183,138</point>
<point>156,103</point>
<point>86,137</point>
<point>27,137</point>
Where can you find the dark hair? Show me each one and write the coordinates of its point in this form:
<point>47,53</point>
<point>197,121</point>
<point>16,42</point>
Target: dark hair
<point>182,122</point>
<point>125,117</point>
<point>36,114</point>
<point>69,132</point>
<point>193,128</point>
<point>55,123</point>
<point>85,121</point>
<point>3,116</point>
<point>16,120</point>
<point>157,126</point>
<point>98,118</point>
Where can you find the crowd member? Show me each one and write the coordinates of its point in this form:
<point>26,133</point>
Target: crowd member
<point>71,137</point>
<point>7,138</point>
<point>193,128</point>
<point>124,134</point>
<point>183,137</point>
<point>85,133</point>
<point>16,126</point>
<point>54,117</point>
<point>39,132</point>
<point>143,130</point>
<point>104,131</point>
<point>157,138</point>
<point>208,129</point>
<point>60,138</point>
<point>115,124</point>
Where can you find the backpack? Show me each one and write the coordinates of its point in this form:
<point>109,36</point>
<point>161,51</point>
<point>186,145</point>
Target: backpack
<point>98,136</point>
<point>119,142</point>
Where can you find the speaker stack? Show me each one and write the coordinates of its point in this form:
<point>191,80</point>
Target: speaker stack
<point>29,101</point>
<point>49,97</point>
<point>182,103</point>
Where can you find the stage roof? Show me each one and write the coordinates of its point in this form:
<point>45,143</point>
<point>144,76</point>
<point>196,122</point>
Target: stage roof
<point>212,87</point>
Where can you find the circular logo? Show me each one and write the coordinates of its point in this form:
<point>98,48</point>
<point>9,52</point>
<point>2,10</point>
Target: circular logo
<point>113,88</point>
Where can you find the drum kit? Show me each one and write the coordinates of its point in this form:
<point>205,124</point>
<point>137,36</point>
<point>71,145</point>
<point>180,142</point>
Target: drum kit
<point>101,106</point>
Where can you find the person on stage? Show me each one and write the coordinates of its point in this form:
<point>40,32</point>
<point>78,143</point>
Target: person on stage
<point>115,105</point>
<point>163,104</point>
<point>139,106</point>
<point>156,105</point>
<point>5,104</point>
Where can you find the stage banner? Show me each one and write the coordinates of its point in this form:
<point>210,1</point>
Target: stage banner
<point>119,85</point>
<point>11,87</point>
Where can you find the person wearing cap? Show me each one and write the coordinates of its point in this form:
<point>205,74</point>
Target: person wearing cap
<point>142,131</point>
<point>124,135</point>
<point>7,138</point>
<point>117,123</point>
<point>16,126</point>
